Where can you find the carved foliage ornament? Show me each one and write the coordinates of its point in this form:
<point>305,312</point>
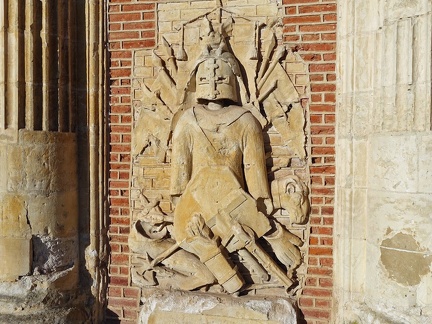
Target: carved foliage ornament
<point>203,117</point>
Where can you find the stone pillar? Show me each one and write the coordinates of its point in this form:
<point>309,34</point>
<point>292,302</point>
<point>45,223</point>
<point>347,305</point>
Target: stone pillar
<point>384,193</point>
<point>38,147</point>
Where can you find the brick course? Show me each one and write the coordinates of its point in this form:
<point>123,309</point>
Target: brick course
<point>313,23</point>
<point>310,29</point>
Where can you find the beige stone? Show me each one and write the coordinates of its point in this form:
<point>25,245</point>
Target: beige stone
<point>11,266</point>
<point>382,218</point>
<point>200,117</point>
<point>199,308</point>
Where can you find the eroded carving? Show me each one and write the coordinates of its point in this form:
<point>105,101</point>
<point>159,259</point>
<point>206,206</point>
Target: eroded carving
<point>203,115</point>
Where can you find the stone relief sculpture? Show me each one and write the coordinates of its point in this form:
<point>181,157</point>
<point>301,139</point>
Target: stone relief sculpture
<point>202,118</point>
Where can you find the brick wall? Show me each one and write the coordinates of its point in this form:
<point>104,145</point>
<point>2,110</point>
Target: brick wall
<point>131,26</point>
<point>310,26</point>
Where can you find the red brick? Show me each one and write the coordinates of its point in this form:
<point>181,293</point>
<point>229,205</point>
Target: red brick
<point>318,47</point>
<point>124,17</point>
<point>131,292</point>
<point>118,238</point>
<point>313,240</point>
<point>323,150</point>
<point>328,262</point>
<point>328,36</point>
<point>328,67</point>
<point>316,180</point>
<point>311,281</point>
<point>130,314</point>
<point>115,248</point>
<point>114,27</point>
<point>302,19</point>
<point>317,292</point>
<point>330,17</point>
<point>115,291</point>
<point>147,43</point>
<point>120,129</point>
<point>306,302</point>
<point>329,57</point>
<point>289,29</point>
<point>149,15</point>
<point>118,184</point>
<point>121,54</point>
<point>312,260</point>
<point>119,109</point>
<point>297,1</point>
<point>323,303</point>
<point>139,25</point>
<point>290,10</point>
<point>320,251</point>
<point>118,73</point>
<point>315,78</point>
<point>138,7</point>
<point>118,281</point>
<point>318,8</point>
<point>328,221</point>
<point>292,38</point>
<point>316,313</point>
<point>124,271</point>
<point>112,8</point>
<point>123,35</point>
<point>330,97</point>
<point>311,57</point>
<point>316,140</point>
<point>119,259</point>
<point>323,231</point>
<point>331,77</point>
<point>310,37</point>
<point>123,302</point>
<point>114,270</point>
<point>325,282</point>
<point>316,108</point>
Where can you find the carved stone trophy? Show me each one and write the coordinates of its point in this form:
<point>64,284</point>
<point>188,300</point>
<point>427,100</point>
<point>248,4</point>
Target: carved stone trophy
<point>207,106</point>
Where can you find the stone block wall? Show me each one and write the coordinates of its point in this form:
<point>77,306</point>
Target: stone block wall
<point>384,192</point>
<point>310,29</point>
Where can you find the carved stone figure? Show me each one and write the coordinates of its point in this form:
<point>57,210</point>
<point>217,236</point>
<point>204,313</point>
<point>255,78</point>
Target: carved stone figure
<point>223,226</point>
<point>159,254</point>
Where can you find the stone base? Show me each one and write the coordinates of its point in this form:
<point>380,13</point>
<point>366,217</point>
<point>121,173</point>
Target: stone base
<point>160,307</point>
<point>37,299</point>
<point>55,315</point>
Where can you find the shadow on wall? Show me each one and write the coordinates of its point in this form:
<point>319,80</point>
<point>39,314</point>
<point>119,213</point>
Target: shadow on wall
<point>111,317</point>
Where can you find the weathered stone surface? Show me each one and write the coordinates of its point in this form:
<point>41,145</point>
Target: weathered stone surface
<point>219,83</point>
<point>173,306</point>
<point>15,260</point>
<point>39,222</point>
<point>382,222</point>
<point>32,300</point>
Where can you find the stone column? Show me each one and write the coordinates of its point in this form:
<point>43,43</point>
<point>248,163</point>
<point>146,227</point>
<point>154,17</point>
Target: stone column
<point>38,145</point>
<point>384,174</point>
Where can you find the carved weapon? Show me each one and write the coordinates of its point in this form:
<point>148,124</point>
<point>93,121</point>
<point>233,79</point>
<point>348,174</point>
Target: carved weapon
<point>171,64</point>
<point>165,254</point>
<point>258,252</point>
<point>270,44</point>
<point>278,55</point>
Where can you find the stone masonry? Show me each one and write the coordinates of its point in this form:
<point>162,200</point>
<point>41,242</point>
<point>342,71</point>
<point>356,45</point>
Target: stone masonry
<point>310,30</point>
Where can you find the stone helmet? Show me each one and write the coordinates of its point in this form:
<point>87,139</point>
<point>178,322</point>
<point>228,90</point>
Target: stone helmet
<point>216,79</point>
<point>217,74</point>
